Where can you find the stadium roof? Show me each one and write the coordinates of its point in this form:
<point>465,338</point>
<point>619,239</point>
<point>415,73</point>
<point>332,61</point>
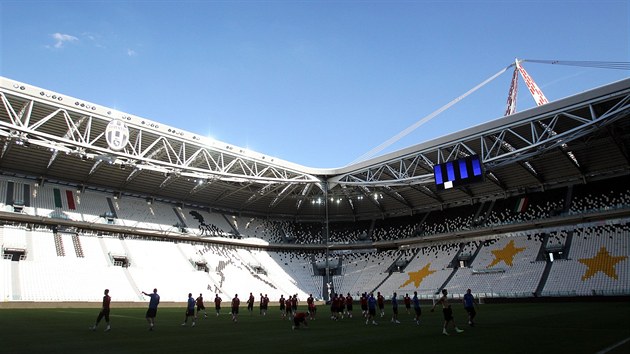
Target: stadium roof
<point>53,137</point>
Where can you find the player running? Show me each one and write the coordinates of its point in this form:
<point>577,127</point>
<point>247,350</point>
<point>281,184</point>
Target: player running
<point>469,306</point>
<point>349,301</point>
<point>104,312</point>
<point>447,311</point>
<point>190,310</point>
<point>201,306</point>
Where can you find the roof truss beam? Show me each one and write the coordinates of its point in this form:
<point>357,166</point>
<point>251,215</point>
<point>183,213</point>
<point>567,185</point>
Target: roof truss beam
<point>525,139</point>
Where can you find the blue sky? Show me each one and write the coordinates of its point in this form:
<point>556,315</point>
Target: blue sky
<point>318,83</point>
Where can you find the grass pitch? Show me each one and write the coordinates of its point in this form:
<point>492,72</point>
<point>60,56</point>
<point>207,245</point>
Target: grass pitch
<point>501,328</point>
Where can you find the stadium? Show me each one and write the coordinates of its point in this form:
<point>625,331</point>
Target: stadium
<point>531,207</point>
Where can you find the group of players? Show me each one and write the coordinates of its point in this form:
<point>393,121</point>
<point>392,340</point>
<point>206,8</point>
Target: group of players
<point>288,306</point>
<point>341,306</point>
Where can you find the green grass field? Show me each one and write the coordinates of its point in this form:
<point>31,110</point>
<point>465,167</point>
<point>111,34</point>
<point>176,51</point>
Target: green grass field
<point>501,328</point>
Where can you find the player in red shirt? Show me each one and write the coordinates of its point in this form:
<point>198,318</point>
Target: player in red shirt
<point>282,306</point>
<point>264,305</point>
<point>380,301</point>
<point>349,305</point>
<point>333,306</point>
<point>300,317</point>
<point>201,306</point>
<point>104,312</point>
<point>250,303</point>
<point>311,306</point>
<point>235,304</point>
<point>288,310</point>
<point>294,304</point>
<point>217,303</point>
<point>341,305</point>
<point>407,302</point>
<point>364,304</point>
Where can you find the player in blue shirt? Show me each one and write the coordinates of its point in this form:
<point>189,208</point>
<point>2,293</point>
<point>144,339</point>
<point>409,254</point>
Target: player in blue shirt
<point>153,305</point>
<point>395,309</point>
<point>371,309</point>
<point>190,310</point>
<point>416,306</point>
<point>469,306</point>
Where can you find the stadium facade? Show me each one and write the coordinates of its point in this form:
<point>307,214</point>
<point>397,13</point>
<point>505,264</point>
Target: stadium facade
<point>85,188</point>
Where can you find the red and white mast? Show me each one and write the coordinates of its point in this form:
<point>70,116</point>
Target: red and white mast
<point>537,94</point>
<point>511,100</point>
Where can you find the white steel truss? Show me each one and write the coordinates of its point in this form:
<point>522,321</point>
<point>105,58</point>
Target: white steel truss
<point>51,122</point>
<point>200,171</point>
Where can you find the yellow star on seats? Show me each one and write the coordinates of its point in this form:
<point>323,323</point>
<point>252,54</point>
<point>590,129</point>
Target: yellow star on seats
<point>506,254</point>
<point>418,277</point>
<point>602,262</point>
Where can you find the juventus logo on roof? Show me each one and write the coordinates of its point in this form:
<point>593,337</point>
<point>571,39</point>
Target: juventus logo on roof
<point>117,134</point>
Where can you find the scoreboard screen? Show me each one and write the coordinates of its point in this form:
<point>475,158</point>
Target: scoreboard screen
<point>457,173</point>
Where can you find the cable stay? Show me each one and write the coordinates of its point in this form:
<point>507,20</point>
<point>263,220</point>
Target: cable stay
<point>425,119</point>
<point>616,65</point>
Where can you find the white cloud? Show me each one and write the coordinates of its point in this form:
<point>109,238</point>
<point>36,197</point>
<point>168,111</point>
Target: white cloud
<point>131,53</point>
<point>61,39</point>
